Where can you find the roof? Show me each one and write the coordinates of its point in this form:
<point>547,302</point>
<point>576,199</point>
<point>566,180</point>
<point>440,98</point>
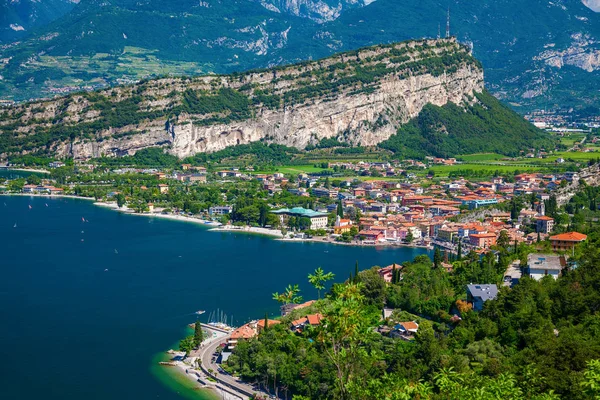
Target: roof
<point>300,211</point>
<point>300,321</point>
<point>314,319</point>
<point>544,218</point>
<point>483,291</point>
<point>243,332</point>
<point>271,322</point>
<point>410,326</point>
<point>545,261</point>
<point>569,237</point>
<point>307,304</point>
<point>482,235</point>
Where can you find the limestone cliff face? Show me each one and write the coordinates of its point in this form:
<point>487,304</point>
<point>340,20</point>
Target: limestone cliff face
<point>360,97</point>
<point>360,119</point>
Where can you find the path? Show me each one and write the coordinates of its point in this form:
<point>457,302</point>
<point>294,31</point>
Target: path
<point>205,358</point>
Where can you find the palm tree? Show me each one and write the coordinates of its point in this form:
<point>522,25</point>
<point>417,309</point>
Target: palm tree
<point>319,278</point>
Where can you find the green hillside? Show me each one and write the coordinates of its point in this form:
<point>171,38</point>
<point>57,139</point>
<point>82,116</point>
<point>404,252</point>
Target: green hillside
<point>485,127</point>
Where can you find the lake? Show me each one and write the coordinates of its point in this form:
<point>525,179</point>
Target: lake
<point>89,296</point>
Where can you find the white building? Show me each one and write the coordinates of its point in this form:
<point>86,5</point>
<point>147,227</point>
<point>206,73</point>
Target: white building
<point>541,265</point>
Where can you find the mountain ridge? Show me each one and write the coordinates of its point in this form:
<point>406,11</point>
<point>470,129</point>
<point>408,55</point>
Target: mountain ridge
<point>529,60</point>
<point>358,97</point>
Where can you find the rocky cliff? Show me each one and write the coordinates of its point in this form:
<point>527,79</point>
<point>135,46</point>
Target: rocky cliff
<point>359,97</point>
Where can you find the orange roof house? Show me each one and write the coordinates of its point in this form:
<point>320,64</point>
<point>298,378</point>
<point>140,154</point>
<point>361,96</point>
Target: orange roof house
<point>566,241</point>
<point>260,325</point>
<point>288,308</point>
<point>312,320</point>
<point>387,272</point>
<point>482,240</point>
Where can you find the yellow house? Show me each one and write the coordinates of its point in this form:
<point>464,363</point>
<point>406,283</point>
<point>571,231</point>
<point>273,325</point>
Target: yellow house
<point>341,225</point>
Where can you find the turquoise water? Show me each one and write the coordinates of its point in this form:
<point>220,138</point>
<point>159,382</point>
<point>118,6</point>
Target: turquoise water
<point>85,307</point>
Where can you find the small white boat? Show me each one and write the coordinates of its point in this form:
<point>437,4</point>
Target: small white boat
<point>200,312</point>
<point>15,225</point>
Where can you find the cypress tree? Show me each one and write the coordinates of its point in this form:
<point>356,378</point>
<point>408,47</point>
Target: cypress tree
<point>459,254</point>
<point>356,272</point>
<point>266,321</point>
<point>340,209</point>
<point>437,257</point>
<point>198,334</point>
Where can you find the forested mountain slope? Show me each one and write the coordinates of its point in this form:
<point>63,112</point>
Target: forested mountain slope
<point>537,53</point>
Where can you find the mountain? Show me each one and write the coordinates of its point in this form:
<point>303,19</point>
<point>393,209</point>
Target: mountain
<point>361,97</point>
<point>19,17</point>
<point>482,126</point>
<point>593,5</point>
<point>537,53</point>
<point>316,10</point>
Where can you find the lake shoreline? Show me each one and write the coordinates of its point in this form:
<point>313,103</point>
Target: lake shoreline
<point>38,171</point>
<point>218,227</point>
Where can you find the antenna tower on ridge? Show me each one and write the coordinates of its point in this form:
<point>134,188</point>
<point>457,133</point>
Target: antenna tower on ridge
<point>448,24</point>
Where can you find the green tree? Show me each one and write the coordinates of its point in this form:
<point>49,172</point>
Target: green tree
<point>319,278</point>
<point>591,381</point>
<point>503,240</point>
<point>340,209</point>
<point>290,296</point>
<point>437,258</point>
<point>198,334</point>
<point>187,345</point>
<point>120,197</point>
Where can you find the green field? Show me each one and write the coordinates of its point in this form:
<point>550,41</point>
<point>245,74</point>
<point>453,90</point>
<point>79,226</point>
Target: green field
<point>480,157</point>
<point>570,139</point>
<point>293,169</point>
<point>444,170</point>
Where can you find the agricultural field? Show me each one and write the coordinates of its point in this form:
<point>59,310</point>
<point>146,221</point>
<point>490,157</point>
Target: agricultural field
<point>480,157</point>
<point>491,169</point>
<point>293,169</point>
<point>104,69</point>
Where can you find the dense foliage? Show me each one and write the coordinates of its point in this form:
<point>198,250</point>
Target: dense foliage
<point>259,152</point>
<point>486,126</point>
<point>537,340</point>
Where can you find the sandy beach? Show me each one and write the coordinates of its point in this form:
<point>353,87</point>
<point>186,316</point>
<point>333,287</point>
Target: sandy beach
<point>174,217</point>
<point>248,229</point>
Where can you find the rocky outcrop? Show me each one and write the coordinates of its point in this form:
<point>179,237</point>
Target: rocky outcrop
<point>360,97</point>
<point>360,119</point>
<point>316,10</point>
<point>584,53</point>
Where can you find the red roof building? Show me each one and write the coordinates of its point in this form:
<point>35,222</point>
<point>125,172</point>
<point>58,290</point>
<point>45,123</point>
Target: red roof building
<point>566,241</point>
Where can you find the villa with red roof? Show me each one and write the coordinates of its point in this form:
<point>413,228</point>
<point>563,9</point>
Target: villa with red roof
<point>566,241</point>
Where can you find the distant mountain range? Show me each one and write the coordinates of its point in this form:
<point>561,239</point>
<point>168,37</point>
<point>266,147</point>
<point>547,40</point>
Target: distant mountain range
<point>19,17</point>
<point>535,53</point>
